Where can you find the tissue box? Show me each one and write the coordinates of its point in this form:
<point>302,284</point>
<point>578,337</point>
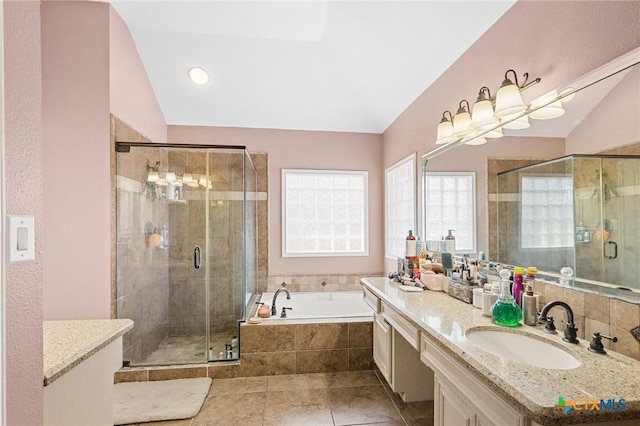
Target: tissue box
<point>462,291</point>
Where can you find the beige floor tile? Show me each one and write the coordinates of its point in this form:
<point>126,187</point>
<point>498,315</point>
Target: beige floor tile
<point>352,378</point>
<point>186,422</point>
<point>231,410</point>
<point>362,405</point>
<point>298,408</point>
<point>296,381</point>
<point>238,385</point>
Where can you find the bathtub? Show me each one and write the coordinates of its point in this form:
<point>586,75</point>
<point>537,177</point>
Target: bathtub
<point>313,305</point>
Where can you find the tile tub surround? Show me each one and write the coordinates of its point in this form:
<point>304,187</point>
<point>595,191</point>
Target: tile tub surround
<point>532,391</point>
<point>68,343</point>
<point>307,346</point>
<point>332,282</point>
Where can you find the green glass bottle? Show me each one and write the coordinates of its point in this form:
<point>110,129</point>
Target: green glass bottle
<point>505,311</point>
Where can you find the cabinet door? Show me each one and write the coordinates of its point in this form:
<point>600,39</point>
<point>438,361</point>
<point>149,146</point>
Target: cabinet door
<point>382,346</point>
<point>449,409</point>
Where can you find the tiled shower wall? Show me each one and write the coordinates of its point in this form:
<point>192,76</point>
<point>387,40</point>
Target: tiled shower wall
<point>141,290</point>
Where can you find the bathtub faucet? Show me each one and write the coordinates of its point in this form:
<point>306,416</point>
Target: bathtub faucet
<point>273,303</point>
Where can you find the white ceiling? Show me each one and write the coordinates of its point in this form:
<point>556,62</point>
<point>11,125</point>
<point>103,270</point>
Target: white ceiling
<point>337,66</point>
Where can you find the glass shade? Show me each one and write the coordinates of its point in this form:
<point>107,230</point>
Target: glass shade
<point>445,132</point>
<point>153,176</point>
<point>519,124</point>
<point>483,115</point>
<point>551,108</point>
<point>477,141</point>
<point>170,177</point>
<point>494,134</point>
<point>462,123</point>
<point>508,100</point>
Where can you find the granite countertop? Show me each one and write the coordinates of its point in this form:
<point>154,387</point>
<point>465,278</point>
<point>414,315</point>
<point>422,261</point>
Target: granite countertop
<point>533,391</point>
<point>68,343</point>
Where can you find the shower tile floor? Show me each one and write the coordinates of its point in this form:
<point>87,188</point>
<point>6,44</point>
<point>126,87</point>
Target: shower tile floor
<point>187,349</point>
<point>332,399</point>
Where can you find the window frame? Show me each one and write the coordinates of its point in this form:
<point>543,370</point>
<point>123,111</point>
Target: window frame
<point>409,159</point>
<point>473,208</point>
<point>290,254</point>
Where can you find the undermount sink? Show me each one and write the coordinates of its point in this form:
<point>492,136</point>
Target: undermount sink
<point>522,349</point>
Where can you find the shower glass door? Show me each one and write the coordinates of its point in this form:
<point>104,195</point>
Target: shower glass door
<point>181,251</point>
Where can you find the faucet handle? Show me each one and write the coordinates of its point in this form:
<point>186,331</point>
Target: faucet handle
<point>571,333</point>
<point>549,327</point>
<point>596,343</point>
<point>283,314</point>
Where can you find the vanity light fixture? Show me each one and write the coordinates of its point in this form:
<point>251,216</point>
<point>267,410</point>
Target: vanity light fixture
<point>489,116</point>
<point>198,75</point>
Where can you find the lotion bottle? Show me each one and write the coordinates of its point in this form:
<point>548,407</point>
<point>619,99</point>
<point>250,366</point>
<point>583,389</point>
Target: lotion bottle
<point>410,246</point>
<point>450,243</point>
<point>530,306</point>
<point>518,286</point>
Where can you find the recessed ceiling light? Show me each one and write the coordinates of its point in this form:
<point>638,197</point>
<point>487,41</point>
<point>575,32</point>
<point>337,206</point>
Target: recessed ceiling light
<point>198,75</point>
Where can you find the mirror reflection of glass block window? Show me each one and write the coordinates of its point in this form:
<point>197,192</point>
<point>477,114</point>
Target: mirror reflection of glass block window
<point>400,205</point>
<point>324,213</point>
<point>547,211</point>
<point>450,203</point>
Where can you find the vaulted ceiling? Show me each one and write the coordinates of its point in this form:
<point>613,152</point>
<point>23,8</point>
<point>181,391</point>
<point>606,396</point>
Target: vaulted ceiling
<point>334,66</point>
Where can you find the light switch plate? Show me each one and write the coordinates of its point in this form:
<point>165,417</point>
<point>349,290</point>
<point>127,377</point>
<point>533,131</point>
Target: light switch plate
<point>21,238</point>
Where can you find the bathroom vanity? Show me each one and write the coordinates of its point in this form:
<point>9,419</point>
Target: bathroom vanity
<point>80,358</point>
<point>473,386</point>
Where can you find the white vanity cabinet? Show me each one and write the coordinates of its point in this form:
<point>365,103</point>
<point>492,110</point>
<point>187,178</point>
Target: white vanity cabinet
<point>396,352</point>
<point>462,399</point>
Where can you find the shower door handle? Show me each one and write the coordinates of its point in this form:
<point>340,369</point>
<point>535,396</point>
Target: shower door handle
<point>196,257</point>
<point>615,250</point>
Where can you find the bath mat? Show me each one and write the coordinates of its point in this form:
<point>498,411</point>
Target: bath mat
<point>138,402</point>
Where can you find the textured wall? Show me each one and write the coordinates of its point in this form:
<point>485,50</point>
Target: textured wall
<point>23,195</point>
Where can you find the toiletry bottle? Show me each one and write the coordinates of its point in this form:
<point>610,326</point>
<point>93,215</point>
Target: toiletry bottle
<point>410,246</point>
<point>518,286</point>
<point>529,306</point>
<point>450,243</point>
<point>505,311</point>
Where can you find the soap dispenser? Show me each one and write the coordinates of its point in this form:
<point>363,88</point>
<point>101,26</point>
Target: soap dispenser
<point>505,311</point>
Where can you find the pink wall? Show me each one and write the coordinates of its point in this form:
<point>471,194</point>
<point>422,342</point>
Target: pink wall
<point>23,184</point>
<point>77,185</point>
<point>614,122</point>
<point>131,96</point>
<point>557,41</point>
<point>314,150</point>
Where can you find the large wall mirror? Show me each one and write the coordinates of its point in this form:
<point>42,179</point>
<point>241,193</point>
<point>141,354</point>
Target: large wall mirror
<point>574,210</point>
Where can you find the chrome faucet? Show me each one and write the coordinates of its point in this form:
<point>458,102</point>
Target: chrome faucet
<point>273,302</point>
<point>570,330</point>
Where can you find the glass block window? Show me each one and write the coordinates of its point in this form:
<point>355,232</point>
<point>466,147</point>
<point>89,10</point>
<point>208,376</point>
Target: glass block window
<point>450,203</point>
<point>400,205</point>
<point>324,213</point>
<point>547,211</point>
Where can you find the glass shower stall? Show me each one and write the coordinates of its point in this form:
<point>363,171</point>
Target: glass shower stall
<point>186,242</point>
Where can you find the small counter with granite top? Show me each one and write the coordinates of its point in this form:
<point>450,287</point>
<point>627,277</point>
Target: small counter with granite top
<point>530,391</point>
<point>80,359</point>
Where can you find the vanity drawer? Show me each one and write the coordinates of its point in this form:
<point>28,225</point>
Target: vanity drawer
<point>371,300</point>
<point>410,332</point>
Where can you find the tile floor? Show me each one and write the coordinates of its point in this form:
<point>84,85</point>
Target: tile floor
<point>332,399</point>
